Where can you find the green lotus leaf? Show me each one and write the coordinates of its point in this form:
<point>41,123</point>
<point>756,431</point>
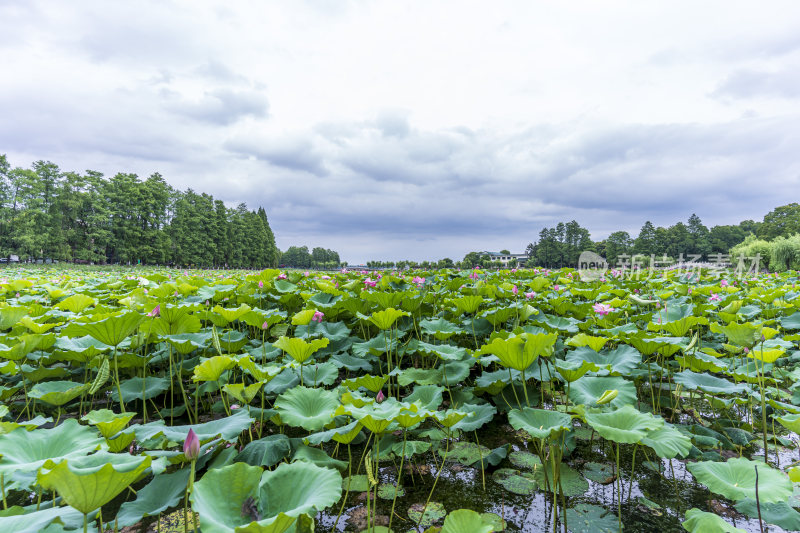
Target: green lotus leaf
<point>76,303</point>
<point>186,343</point>
<point>745,335</point>
<point>620,361</point>
<point>477,416</point>
<point>582,339</point>
<point>386,318</point>
<point>429,396</point>
<point>434,512</point>
<point>780,513</point>
<point>787,322</point>
<point>87,347</point>
<point>231,315</point>
<point>140,388</point>
<point>26,451</point>
<point>17,520</point>
<point>668,442</point>
<point>708,383</point>
<point>572,371</point>
<point>587,518</point>
<point>112,330</point>
<point>11,316</point>
<point>371,383</point>
<point>736,479</point>
<point>319,374</point>
<point>466,521</point>
<point>259,372</point>
<point>163,492</point>
<point>228,428</point>
<point>440,328</point>
<point>36,327</point>
<point>626,425</point>
<point>243,393</point>
<point>540,423</point>
<point>588,389</point>
<point>446,352</point>
<point>108,422</point>
<point>523,483</point>
<point>313,488</point>
<point>359,483</point>
<point>465,453</point>
<point>698,521</point>
<point>299,349</point>
<point>211,369</point>
<point>267,451</point>
<point>520,351</point>
<point>219,496</point>
<point>57,392</point>
<point>790,422</point>
<point>376,417</point>
<point>308,408</point>
<point>467,304</point>
<point>342,434</point>
<point>412,447</point>
<point>87,483</point>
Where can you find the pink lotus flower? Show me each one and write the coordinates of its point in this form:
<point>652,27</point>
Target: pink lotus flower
<point>746,349</point>
<point>380,397</point>
<point>235,406</point>
<point>156,311</point>
<point>418,281</point>
<point>281,276</point>
<point>191,446</point>
<point>265,326</point>
<point>602,309</point>
<point>530,295</point>
<point>690,290</point>
<point>260,284</point>
<point>723,283</point>
<point>370,283</point>
<point>556,288</point>
<point>317,316</point>
<point>714,297</point>
<point>306,273</point>
<point>515,291</point>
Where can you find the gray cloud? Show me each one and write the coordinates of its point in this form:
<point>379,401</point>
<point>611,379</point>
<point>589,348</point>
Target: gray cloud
<point>222,106</point>
<point>749,83</point>
<point>291,153</point>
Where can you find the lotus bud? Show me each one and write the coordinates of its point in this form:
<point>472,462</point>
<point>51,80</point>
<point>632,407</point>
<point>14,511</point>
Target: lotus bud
<point>191,446</point>
<point>156,311</point>
<point>264,326</point>
<point>380,397</point>
<point>260,284</point>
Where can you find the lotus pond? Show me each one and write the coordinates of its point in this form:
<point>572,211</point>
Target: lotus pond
<point>460,401</point>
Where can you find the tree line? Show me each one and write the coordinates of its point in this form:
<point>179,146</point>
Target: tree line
<point>47,213</point>
<point>318,257</point>
<point>562,244</point>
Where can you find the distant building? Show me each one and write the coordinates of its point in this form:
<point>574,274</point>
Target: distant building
<point>504,258</point>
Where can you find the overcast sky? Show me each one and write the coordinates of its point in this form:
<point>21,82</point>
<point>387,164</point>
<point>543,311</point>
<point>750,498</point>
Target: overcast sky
<point>419,129</point>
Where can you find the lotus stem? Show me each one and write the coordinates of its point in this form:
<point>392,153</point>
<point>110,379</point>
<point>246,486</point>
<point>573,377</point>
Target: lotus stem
<point>347,491</point>
<point>436,479</point>
<point>525,386</point>
<point>758,502</point>
<point>3,488</point>
<point>399,477</point>
<point>483,474</point>
<point>619,492</point>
